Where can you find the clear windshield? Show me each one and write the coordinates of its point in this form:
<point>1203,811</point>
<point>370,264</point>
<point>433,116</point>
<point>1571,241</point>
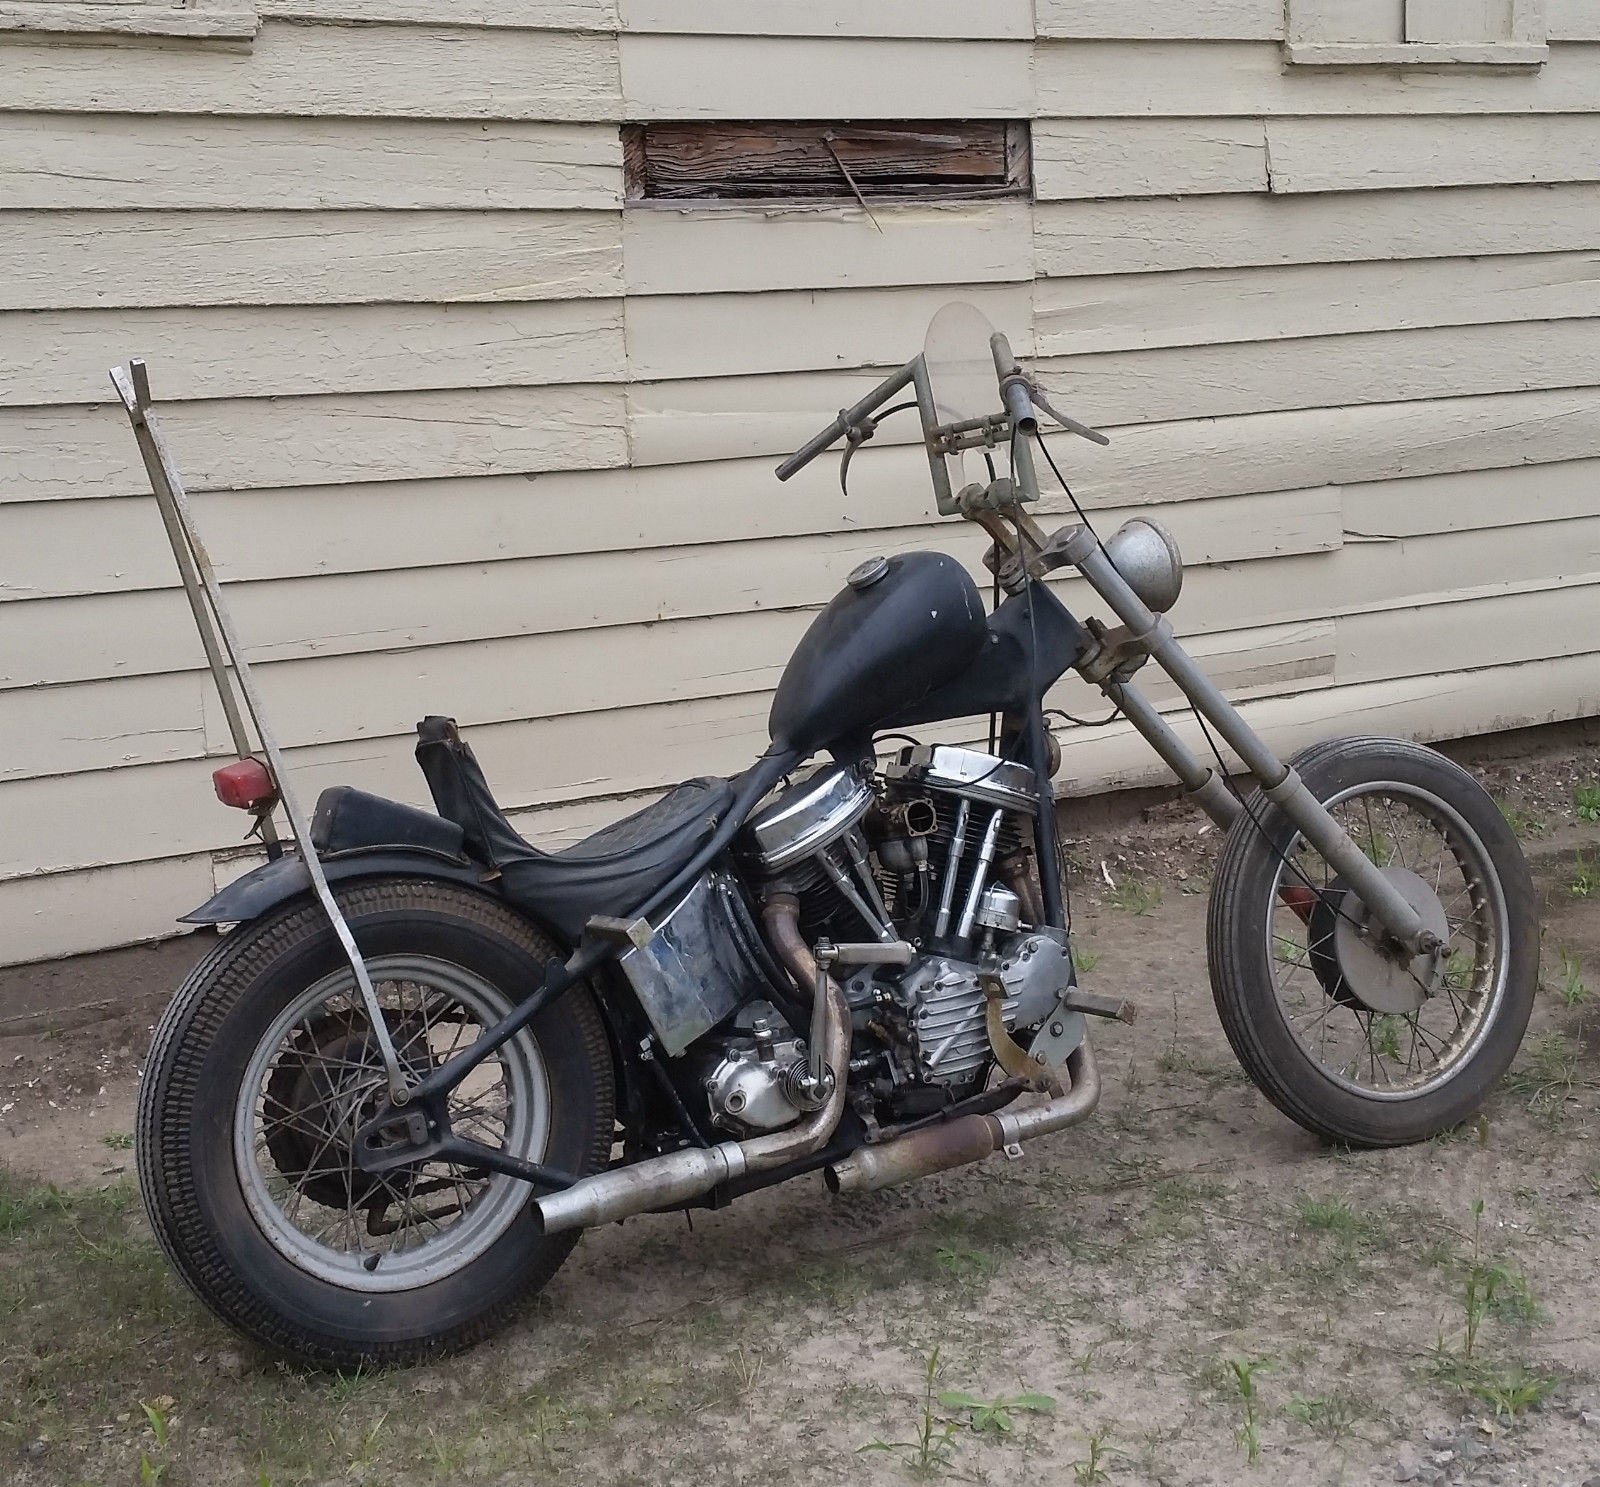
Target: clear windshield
<point>961,373</point>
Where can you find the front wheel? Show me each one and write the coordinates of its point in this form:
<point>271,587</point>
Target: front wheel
<point>266,1064</point>
<point>1357,1046</point>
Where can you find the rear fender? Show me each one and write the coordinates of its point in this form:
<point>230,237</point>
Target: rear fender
<point>277,882</point>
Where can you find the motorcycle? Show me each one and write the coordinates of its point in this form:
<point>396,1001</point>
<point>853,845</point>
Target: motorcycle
<point>379,1114</point>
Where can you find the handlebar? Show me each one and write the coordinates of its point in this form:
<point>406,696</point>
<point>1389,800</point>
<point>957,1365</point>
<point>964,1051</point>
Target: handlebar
<point>1017,393</point>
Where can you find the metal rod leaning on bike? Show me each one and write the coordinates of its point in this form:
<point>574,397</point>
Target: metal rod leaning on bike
<point>220,640</point>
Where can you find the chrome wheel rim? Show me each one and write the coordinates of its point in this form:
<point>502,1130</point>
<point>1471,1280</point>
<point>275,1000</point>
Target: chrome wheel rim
<point>317,1074</point>
<point>1390,1056</point>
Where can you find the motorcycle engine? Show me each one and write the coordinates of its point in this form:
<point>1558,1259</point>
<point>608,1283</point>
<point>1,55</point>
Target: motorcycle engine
<point>937,850</point>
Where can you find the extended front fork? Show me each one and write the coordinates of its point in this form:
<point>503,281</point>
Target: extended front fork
<point>1144,633</point>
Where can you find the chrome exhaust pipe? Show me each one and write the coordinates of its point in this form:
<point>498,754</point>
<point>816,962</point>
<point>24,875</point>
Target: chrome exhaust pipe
<point>681,1176</point>
<point>970,1138</point>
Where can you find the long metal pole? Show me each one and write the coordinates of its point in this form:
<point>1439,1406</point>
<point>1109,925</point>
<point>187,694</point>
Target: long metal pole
<point>218,637</point>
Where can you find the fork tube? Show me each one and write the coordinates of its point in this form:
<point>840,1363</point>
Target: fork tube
<point>1280,784</point>
<point>1201,783</point>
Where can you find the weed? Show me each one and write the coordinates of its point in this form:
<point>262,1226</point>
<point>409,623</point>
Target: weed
<point>1135,896</point>
<point>935,1446</point>
<point>1386,1035</point>
<point>1547,1074</point>
<point>958,1260</point>
<point>1586,802</point>
<point>1084,960</point>
<point>1289,951</point>
<point>1573,992</point>
<point>1521,822</point>
<point>151,1472</point>
<point>1331,1416</point>
<point>1248,1434</point>
<point>1585,878</point>
<point>119,1141</point>
<point>1376,845</point>
<point>1085,1473</point>
<point>1508,1389</point>
<point>1328,1215</point>
<point>995,1415</point>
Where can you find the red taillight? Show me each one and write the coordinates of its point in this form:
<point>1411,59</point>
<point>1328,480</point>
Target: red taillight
<point>244,784</point>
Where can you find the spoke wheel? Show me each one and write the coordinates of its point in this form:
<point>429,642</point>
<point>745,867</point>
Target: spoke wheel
<point>264,1066</point>
<point>318,1075</point>
<point>1353,1041</point>
<point>1401,1034</point>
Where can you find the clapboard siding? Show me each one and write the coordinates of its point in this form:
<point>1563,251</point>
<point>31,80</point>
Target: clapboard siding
<point>1214,79</point>
<point>756,77</point>
<point>465,434</point>
<point>673,250</point>
<point>733,417</point>
<point>62,260</point>
<point>1161,20</point>
<point>69,161</point>
<point>551,15</point>
<point>1148,157</point>
<point>384,528</point>
<point>1447,705</point>
<point>61,356</point>
<point>484,651</point>
<point>44,910</point>
<point>1410,153</point>
<point>67,452</point>
<point>1198,307</point>
<point>706,335</point>
<point>400,72</point>
<point>1105,237</point>
<point>922,19</point>
<point>141,632</point>
<point>165,811</point>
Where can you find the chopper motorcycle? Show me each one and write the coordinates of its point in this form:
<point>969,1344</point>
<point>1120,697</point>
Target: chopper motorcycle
<point>380,1112</point>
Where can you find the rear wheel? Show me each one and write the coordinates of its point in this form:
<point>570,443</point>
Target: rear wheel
<point>266,1064</point>
<point>1353,1044</point>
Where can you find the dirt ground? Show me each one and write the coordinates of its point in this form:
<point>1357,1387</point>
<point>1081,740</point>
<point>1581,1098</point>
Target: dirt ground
<point>1200,1292</point>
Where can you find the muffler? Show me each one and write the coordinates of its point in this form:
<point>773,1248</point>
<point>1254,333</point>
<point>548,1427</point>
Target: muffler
<point>969,1138</point>
<point>681,1176</point>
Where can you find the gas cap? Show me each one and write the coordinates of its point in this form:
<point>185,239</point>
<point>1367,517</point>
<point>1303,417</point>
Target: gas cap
<point>864,575</point>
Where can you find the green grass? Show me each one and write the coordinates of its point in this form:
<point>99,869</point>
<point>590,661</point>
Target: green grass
<point>1586,802</point>
<point>1571,988</point>
<point>1585,878</point>
<point>1136,896</point>
<point>1084,960</point>
<point>1549,1070</point>
<point>1522,823</point>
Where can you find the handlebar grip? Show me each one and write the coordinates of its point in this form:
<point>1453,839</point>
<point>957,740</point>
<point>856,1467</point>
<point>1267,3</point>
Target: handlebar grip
<point>811,449</point>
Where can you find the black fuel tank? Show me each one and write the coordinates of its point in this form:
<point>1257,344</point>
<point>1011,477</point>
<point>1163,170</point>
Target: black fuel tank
<point>878,648</point>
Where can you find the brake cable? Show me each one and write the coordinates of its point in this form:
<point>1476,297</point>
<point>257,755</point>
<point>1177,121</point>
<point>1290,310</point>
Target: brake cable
<point>857,434</point>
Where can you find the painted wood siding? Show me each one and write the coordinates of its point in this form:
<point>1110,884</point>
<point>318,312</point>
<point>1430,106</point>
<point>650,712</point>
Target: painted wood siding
<point>468,437</point>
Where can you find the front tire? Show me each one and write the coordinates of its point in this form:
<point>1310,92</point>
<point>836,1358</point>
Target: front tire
<point>265,1063</point>
<point>1352,1048</point>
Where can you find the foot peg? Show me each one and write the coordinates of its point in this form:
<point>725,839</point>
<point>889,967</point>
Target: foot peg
<point>1087,1002</point>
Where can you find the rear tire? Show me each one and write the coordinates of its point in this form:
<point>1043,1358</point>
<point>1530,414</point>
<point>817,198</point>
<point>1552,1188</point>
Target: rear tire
<point>345,1299</point>
<point>1361,1084</point>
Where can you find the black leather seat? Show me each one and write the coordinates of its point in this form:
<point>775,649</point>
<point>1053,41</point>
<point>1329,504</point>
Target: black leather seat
<point>612,872</point>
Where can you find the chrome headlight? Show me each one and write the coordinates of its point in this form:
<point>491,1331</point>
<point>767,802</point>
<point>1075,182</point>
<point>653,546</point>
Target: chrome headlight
<point>1144,553</point>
